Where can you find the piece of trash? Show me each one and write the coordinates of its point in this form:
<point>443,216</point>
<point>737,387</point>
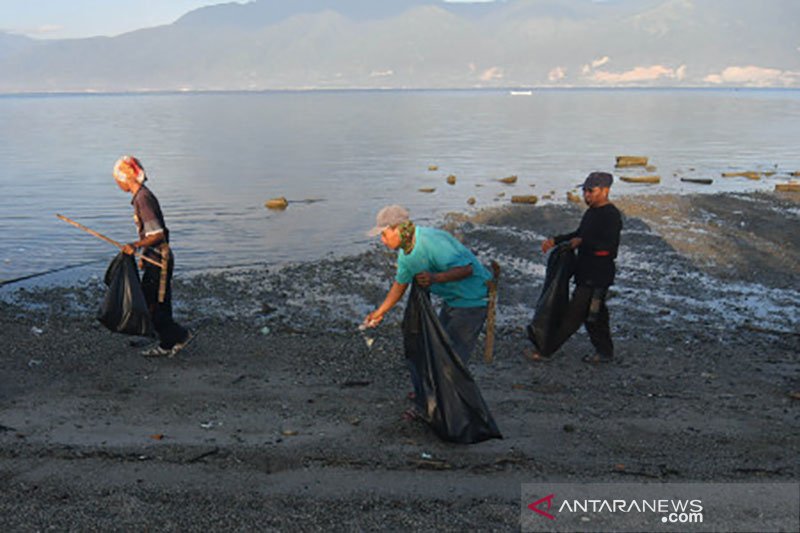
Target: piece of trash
<point>209,425</point>
<point>619,467</point>
<point>277,203</point>
<point>37,331</point>
<point>34,362</point>
<point>369,341</point>
<point>787,187</point>
<point>641,179</point>
<point>631,161</point>
<point>794,395</point>
<point>426,455</point>
<point>355,383</point>
<point>751,175</point>
<point>157,436</point>
<point>524,199</point>
<point>265,330</point>
<point>288,433</point>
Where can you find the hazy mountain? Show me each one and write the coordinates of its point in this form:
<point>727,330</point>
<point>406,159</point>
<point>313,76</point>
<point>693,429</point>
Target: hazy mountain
<point>273,44</point>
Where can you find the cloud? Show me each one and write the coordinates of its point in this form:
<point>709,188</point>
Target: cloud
<point>557,74</point>
<point>639,74</point>
<point>494,73</point>
<point>587,68</point>
<point>45,29</point>
<point>754,76</point>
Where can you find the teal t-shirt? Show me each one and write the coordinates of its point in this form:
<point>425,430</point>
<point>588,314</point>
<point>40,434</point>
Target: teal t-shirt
<point>438,251</point>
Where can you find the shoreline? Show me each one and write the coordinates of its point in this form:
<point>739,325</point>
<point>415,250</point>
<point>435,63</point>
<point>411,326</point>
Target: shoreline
<point>279,413</point>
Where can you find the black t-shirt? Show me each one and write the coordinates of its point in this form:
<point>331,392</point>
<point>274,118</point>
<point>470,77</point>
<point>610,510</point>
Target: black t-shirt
<point>149,219</point>
<point>600,228</point>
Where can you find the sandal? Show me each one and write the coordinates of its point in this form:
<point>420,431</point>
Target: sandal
<point>596,359</point>
<point>410,415</point>
<point>536,357</point>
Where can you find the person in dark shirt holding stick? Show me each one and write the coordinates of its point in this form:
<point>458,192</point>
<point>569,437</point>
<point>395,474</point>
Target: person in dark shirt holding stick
<point>154,242</point>
<point>597,241</point>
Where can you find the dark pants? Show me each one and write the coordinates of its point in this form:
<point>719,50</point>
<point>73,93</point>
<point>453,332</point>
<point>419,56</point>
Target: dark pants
<point>577,314</point>
<point>463,326</point>
<point>169,331</point>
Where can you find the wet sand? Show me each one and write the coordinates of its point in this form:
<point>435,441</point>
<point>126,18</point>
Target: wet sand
<point>279,416</point>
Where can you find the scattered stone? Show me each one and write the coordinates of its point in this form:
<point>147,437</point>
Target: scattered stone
<point>451,179</point>
<point>427,189</point>
<point>524,199</point>
<point>471,200</point>
<point>651,168</point>
<point>509,180</point>
<point>574,198</point>
<point>277,203</point>
<point>631,161</point>
<point>433,168</point>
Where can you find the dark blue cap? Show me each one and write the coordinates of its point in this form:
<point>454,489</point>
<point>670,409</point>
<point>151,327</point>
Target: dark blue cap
<point>598,179</point>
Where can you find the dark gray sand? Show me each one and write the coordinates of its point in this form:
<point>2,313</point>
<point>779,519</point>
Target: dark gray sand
<point>280,417</point>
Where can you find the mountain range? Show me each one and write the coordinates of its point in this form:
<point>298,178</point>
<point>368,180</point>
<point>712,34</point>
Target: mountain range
<point>335,44</point>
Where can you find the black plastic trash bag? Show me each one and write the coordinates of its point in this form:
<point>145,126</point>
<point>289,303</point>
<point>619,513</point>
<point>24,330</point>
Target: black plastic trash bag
<point>454,407</point>
<point>124,309</point>
<point>554,299</point>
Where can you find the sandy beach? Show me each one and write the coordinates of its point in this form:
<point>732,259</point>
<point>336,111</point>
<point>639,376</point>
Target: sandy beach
<point>279,416</point>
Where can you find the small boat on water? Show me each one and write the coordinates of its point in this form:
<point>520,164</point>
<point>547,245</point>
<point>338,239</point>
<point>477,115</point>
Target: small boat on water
<point>702,181</point>
<point>521,93</point>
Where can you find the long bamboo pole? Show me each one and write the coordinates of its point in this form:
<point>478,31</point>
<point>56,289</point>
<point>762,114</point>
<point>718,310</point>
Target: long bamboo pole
<point>107,239</point>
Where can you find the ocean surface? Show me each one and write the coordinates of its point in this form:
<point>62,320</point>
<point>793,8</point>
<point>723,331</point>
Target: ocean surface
<point>214,159</point>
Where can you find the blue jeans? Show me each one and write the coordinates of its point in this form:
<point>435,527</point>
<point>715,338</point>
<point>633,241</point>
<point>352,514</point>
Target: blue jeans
<point>463,325</point>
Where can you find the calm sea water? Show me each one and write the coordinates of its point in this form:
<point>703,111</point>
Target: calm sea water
<point>213,160</point>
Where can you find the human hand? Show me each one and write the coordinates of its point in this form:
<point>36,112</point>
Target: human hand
<point>425,279</point>
<point>129,249</point>
<point>548,245</point>
<point>371,320</point>
<point>575,242</point>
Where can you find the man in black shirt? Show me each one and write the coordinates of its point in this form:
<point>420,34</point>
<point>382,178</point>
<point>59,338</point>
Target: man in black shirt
<point>597,241</point>
<point>154,242</point>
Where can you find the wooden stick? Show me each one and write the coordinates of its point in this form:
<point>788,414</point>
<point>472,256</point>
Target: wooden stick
<point>488,348</point>
<point>108,240</point>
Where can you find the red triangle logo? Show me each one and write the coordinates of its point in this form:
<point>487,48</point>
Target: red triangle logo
<point>535,506</point>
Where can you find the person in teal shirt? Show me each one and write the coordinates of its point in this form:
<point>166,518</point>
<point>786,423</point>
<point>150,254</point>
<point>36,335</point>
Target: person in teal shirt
<point>440,263</point>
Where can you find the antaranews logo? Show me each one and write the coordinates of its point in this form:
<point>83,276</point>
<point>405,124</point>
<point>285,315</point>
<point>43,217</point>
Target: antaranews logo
<point>535,506</point>
<point>673,511</point>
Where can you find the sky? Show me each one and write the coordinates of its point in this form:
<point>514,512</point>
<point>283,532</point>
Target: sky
<point>59,19</point>
<point>66,19</point>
